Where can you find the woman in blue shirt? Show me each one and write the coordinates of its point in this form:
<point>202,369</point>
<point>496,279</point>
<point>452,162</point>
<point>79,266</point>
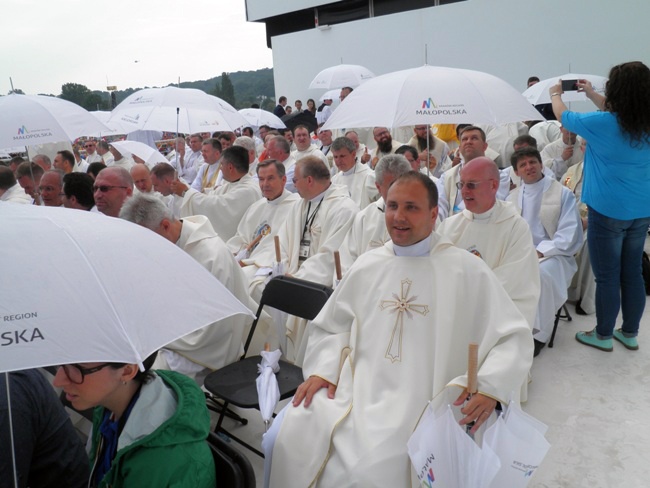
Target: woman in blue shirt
<point>616,189</point>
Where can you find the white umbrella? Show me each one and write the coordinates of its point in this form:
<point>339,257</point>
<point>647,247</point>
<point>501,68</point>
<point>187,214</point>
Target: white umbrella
<point>256,117</point>
<point>37,119</point>
<point>351,75</point>
<point>91,288</point>
<point>115,127</point>
<point>268,391</point>
<point>430,95</point>
<point>538,93</point>
<point>333,95</point>
<point>184,110</point>
<point>141,150</point>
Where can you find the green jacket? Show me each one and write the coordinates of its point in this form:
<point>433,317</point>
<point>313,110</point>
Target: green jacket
<point>163,443</point>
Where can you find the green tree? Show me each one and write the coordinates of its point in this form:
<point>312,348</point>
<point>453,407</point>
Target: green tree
<point>75,93</point>
<point>224,89</point>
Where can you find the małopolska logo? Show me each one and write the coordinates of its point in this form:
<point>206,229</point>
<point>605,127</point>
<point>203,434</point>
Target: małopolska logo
<point>23,134</point>
<point>428,483</point>
<point>429,107</point>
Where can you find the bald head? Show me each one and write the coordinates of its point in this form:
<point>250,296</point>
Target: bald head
<point>141,177</point>
<point>480,180</point>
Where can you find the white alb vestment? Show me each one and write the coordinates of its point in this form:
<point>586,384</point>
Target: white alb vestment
<point>16,194</point>
<point>378,154</point>
<point>312,150</point>
<point>545,132</point>
<point>391,350</point>
<point>502,239</point>
<point>552,157</point>
<point>93,158</point>
<point>551,212</point>
<point>501,137</point>
<point>81,166</point>
<point>125,162</point>
<point>191,164</point>
<point>108,159</point>
<point>368,231</point>
<point>323,222</point>
<point>224,206</point>
<point>219,344</point>
<point>360,182</point>
<point>263,218</point>
<point>212,180</point>
<point>289,169</point>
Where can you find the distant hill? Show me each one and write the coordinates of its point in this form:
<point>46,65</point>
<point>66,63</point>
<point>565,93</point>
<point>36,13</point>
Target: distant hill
<point>250,87</point>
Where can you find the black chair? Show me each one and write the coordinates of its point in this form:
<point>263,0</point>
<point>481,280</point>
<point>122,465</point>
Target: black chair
<point>235,383</point>
<point>233,469</point>
<point>562,313</point>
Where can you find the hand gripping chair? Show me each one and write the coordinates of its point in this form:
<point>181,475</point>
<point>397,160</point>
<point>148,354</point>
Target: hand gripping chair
<point>235,383</point>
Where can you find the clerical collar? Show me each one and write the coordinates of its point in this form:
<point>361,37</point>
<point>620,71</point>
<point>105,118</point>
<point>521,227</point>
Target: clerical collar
<point>537,186</point>
<point>482,217</point>
<point>276,200</point>
<point>351,171</point>
<point>417,250</point>
<point>318,198</point>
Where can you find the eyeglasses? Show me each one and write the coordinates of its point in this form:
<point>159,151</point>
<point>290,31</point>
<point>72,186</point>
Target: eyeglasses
<point>107,188</point>
<point>471,185</point>
<point>76,374</point>
<point>89,145</point>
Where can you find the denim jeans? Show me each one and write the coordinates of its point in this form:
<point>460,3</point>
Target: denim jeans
<point>615,248</point>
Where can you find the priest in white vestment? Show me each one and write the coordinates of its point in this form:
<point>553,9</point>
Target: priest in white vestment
<point>368,230</point>
<point>432,151</point>
<point>385,144</point>
<point>249,144</point>
<point>314,229</point>
<point>226,205</point>
<point>120,160</point>
<point>358,178</point>
<point>261,223</point>
<point>208,176</point>
<point>191,159</point>
<point>552,215</point>
<point>494,231</point>
<point>375,359</point>
<point>278,148</point>
<point>219,344</point>
<point>304,147</point>
<point>10,190</point>
<point>472,145</point>
<point>163,180</point>
<point>583,286</point>
<point>562,154</point>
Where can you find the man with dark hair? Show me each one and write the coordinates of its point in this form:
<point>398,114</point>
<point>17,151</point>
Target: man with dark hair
<point>78,192</point>
<point>314,229</point>
<point>432,151</point>
<point>10,190</point>
<point>406,339</point>
<point>385,144</point>
<point>304,147</point>
<point>14,162</point>
<point>552,215</point>
<point>64,161</point>
<point>92,155</point>
<point>226,139</point>
<point>208,177</point>
<point>29,177</point>
<point>345,91</point>
<point>163,180</point>
<point>355,176</point>
<point>94,169</point>
<point>279,109</point>
<point>226,204</point>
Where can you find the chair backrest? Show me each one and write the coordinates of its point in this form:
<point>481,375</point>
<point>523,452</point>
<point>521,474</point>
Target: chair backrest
<point>294,296</point>
<point>233,469</point>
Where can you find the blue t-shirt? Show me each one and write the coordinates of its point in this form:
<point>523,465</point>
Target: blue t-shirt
<point>616,172</point>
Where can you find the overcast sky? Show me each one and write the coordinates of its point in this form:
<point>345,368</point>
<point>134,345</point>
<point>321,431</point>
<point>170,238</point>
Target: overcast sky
<point>46,43</point>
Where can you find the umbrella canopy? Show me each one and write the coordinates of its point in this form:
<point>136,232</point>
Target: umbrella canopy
<point>141,150</point>
<point>351,75</point>
<point>330,95</point>
<point>256,117</point>
<point>432,95</point>
<point>538,93</point>
<point>37,119</point>
<point>300,118</point>
<point>115,127</point>
<point>91,288</point>
<point>171,108</point>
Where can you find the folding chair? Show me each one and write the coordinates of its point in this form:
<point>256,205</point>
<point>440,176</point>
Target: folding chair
<point>562,313</point>
<point>233,469</point>
<point>235,383</point>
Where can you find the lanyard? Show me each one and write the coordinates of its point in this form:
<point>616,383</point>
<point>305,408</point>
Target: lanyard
<point>310,220</point>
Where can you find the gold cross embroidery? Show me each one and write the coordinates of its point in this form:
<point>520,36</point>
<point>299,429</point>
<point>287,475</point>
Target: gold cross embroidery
<point>401,305</point>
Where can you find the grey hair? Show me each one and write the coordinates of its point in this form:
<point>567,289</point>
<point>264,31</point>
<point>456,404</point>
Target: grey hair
<point>245,142</point>
<point>343,143</point>
<point>145,210</point>
<point>395,164</point>
<point>45,158</point>
<point>282,144</point>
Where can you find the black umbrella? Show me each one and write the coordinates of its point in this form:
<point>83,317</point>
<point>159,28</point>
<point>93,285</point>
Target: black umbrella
<point>305,118</point>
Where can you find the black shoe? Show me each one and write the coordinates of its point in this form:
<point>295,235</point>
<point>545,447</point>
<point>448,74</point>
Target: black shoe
<point>579,309</point>
<point>539,345</point>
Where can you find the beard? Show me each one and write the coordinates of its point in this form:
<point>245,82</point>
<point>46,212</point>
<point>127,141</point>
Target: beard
<point>386,145</point>
<point>422,143</point>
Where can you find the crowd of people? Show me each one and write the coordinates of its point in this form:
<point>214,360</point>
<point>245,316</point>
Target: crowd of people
<point>474,234</point>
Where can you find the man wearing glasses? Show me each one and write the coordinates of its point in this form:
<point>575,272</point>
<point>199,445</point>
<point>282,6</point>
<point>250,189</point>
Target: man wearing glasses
<point>91,153</point>
<point>493,230</point>
<point>112,187</point>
